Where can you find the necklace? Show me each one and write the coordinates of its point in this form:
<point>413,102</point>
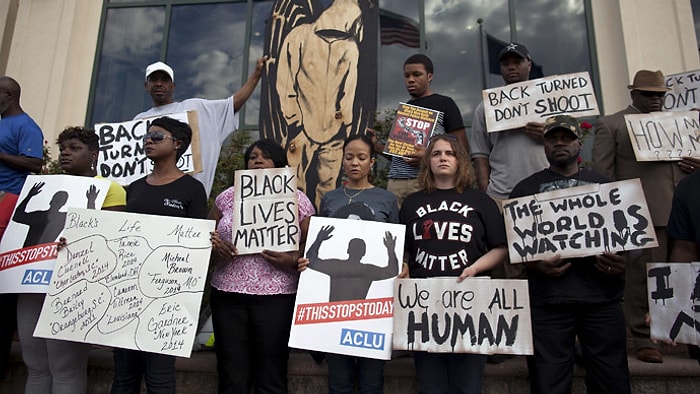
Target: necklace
<point>350,197</point>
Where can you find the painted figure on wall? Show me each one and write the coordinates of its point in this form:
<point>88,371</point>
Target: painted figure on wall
<point>320,86</point>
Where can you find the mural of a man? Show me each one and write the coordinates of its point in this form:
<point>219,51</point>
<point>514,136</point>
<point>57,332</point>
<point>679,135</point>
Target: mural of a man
<point>313,100</point>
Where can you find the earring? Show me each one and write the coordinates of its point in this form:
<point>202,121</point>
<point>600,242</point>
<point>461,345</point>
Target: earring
<point>92,166</point>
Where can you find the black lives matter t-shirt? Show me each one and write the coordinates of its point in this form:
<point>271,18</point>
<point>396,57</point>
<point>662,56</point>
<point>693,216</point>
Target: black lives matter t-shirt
<point>447,231</point>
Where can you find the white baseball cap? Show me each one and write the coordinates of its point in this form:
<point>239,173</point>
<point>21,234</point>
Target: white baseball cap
<point>160,66</point>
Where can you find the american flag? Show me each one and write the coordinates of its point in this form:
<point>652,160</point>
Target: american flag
<point>398,29</point>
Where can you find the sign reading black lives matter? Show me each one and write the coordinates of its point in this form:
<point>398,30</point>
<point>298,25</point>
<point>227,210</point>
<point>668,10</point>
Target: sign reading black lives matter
<point>674,301</point>
<point>483,316</point>
<point>579,221</point>
<point>684,94</point>
<point>517,104</point>
<point>266,214</point>
<point>122,157</point>
<point>126,282</point>
<point>664,136</point>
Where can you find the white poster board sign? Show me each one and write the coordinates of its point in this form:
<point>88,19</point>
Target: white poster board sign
<point>684,94</point>
<point>122,157</point>
<point>578,221</point>
<point>674,301</point>
<point>479,315</point>
<point>28,247</point>
<point>664,136</point>
<point>515,105</point>
<point>122,281</point>
<point>344,303</point>
<point>265,202</point>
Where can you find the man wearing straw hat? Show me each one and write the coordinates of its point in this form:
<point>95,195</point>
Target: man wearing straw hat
<point>613,156</point>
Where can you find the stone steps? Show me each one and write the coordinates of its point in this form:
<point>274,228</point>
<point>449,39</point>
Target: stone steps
<point>677,374</point>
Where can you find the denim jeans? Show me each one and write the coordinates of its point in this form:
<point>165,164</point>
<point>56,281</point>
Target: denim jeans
<point>341,374</point>
<point>131,365</point>
<point>449,372</point>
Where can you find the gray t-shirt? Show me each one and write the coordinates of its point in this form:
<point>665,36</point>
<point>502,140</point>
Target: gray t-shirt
<point>512,154</point>
<point>374,204</point>
<point>216,121</point>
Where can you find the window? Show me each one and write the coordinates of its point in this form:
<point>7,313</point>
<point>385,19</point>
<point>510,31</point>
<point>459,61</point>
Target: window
<point>213,45</point>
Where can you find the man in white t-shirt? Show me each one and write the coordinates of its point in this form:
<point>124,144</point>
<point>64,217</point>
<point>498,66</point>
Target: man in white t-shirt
<point>217,119</point>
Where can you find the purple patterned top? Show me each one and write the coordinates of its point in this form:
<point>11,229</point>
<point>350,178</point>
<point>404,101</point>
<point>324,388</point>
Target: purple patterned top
<point>252,274</point>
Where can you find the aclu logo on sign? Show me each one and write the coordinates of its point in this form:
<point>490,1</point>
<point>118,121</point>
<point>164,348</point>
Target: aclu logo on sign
<point>36,277</point>
<point>363,339</point>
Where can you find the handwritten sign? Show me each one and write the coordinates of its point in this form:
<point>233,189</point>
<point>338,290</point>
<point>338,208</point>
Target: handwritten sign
<point>664,136</point>
<point>124,282</point>
<point>28,247</point>
<point>344,303</point>
<point>481,316</point>
<point>579,221</point>
<point>413,126</point>
<point>684,94</point>
<point>265,202</point>
<point>674,301</point>
<point>122,157</point>
<point>515,105</point>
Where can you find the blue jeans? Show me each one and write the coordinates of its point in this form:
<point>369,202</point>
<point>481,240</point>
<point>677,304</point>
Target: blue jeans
<point>251,334</point>
<point>449,372</point>
<point>341,374</point>
<point>131,365</point>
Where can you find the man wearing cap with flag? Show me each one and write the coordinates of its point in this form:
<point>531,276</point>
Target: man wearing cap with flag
<point>504,158</point>
<point>578,297</point>
<point>613,156</point>
<point>217,119</point>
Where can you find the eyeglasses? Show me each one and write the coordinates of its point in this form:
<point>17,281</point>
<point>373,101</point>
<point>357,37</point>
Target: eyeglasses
<point>157,136</point>
<point>649,94</point>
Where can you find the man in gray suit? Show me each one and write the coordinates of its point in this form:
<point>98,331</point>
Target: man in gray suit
<point>613,156</point>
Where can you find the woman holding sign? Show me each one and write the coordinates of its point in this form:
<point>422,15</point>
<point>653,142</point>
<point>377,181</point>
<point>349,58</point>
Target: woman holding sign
<point>57,366</point>
<point>473,244</point>
<point>252,298</point>
<point>166,191</point>
<point>357,199</point>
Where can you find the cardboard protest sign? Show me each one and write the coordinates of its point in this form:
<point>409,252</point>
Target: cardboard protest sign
<point>344,303</point>
<point>122,157</point>
<point>413,126</point>
<point>684,94</point>
<point>516,104</point>
<point>266,214</point>
<point>578,221</point>
<point>28,247</point>
<point>674,301</point>
<point>123,282</point>
<point>479,315</point>
<point>664,136</point>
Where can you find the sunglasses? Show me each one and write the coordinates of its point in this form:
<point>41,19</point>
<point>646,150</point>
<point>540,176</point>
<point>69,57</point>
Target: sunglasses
<point>157,136</point>
<point>651,94</point>
<point>449,137</point>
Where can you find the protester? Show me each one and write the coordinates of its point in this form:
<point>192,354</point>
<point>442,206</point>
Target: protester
<point>613,156</point>
<point>578,297</point>
<point>446,175</point>
<point>357,199</point>
<point>684,231</point>
<point>252,298</point>
<point>504,158</point>
<point>417,75</point>
<point>55,366</point>
<point>216,119</point>
<point>21,153</point>
<point>166,191</point>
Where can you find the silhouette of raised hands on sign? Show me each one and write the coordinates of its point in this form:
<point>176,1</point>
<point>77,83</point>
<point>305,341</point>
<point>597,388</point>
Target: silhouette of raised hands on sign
<point>91,195</point>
